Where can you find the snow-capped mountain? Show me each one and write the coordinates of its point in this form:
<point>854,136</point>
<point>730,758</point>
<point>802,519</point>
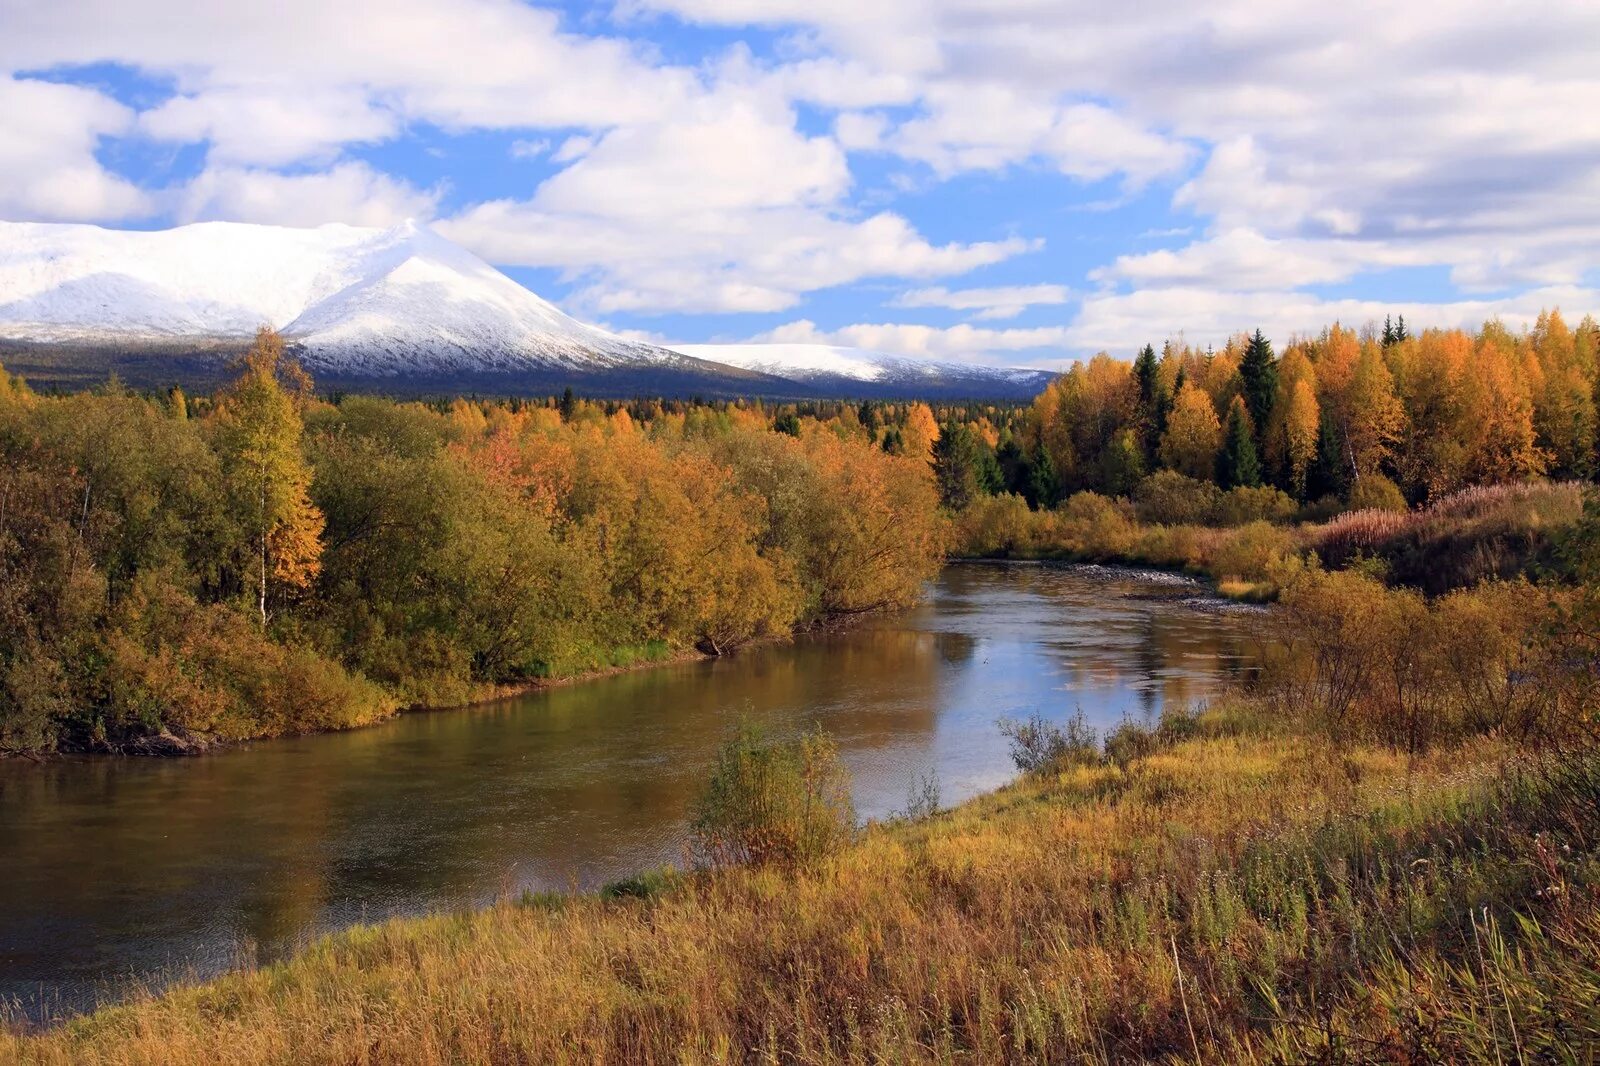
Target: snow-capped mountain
<point>363,302</point>
<point>836,367</point>
<point>398,309</point>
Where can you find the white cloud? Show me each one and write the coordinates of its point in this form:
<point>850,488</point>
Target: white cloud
<point>759,259</point>
<point>993,303</point>
<point>1311,143</point>
<point>1464,134</point>
<point>259,126</point>
<point>352,193</point>
<point>530,149</point>
<point>1121,322</point>
<point>462,64</point>
<point>727,207</point>
<point>575,147</point>
<point>961,343</point>
<point>48,137</point>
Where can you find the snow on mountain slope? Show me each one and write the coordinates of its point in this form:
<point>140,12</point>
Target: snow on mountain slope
<point>357,301</point>
<point>818,362</point>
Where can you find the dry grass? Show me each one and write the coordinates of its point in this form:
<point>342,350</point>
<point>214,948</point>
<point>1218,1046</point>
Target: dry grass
<point>1203,897</point>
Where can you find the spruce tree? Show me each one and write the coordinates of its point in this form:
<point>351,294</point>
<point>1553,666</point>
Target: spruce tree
<point>1238,463</point>
<point>1044,484</point>
<point>1259,371</point>
<point>1327,474</point>
<point>1146,371</point>
<point>955,466</point>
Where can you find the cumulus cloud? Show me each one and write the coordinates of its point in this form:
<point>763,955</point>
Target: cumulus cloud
<point>963,343</point>
<point>256,126</point>
<point>351,193</point>
<point>1121,322</point>
<point>48,137</point>
<point>1004,302</point>
<point>1464,135</point>
<point>727,207</point>
<point>1305,144</point>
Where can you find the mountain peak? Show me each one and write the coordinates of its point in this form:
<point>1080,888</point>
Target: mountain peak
<point>396,304</point>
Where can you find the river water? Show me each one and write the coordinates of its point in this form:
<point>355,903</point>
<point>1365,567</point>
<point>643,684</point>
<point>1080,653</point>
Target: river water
<point>135,870</point>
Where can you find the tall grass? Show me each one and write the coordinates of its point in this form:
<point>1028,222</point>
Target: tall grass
<point>1237,894</point>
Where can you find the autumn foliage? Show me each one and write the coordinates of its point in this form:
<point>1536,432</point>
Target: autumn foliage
<point>178,571</point>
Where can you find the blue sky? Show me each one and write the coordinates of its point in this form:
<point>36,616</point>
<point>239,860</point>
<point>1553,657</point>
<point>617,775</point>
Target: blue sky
<point>1005,181</point>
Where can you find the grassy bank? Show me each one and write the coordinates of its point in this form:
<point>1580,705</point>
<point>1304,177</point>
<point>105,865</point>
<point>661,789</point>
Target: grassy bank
<point>1247,892</point>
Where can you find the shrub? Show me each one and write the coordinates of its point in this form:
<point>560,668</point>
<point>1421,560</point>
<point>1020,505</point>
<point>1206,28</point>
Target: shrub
<point>1376,492</point>
<point>1095,526</point>
<point>1242,504</point>
<point>1170,499</point>
<point>1252,552</point>
<point>1130,741</point>
<point>1364,661</point>
<point>1039,746</point>
<point>785,803</point>
<point>996,526</point>
<point>1498,531</point>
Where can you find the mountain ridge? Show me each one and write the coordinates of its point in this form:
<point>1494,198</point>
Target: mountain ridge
<point>399,309</point>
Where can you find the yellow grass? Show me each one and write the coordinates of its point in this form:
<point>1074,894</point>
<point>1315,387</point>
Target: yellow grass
<point>1051,919</point>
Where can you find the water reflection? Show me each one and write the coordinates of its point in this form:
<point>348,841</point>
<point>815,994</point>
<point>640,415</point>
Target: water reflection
<point>132,868</point>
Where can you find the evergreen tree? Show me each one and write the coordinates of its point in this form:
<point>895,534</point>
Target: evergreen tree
<point>788,422</point>
<point>955,466</point>
<point>1044,484</point>
<point>1259,372</point>
<point>1121,464</point>
<point>1238,464</point>
<point>1013,466</point>
<point>1327,474</point>
<point>991,478</point>
<point>569,404</point>
<point>1146,370</point>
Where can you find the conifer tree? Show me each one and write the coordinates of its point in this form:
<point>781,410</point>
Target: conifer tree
<point>1259,372</point>
<point>1044,484</point>
<point>1238,464</point>
<point>955,466</point>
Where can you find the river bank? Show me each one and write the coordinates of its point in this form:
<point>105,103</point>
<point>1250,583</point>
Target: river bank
<point>1198,902</point>
<point>147,867</point>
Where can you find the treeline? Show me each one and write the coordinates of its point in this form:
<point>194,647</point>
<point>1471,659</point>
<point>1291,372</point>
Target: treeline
<point>1345,419</point>
<point>260,562</point>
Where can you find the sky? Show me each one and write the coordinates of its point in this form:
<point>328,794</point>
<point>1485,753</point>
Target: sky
<point>1022,182</point>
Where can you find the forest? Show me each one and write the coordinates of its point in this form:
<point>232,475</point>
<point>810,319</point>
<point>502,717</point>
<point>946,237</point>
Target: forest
<point>179,571</point>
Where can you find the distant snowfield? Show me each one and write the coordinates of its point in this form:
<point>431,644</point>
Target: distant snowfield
<point>387,303</point>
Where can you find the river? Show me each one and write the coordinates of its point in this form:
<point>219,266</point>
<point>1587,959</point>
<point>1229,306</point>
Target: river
<point>118,870</point>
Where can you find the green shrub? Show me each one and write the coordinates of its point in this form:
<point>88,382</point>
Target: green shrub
<point>1243,504</point>
<point>646,885</point>
<point>785,803</point>
<point>1039,746</point>
<point>1130,741</point>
